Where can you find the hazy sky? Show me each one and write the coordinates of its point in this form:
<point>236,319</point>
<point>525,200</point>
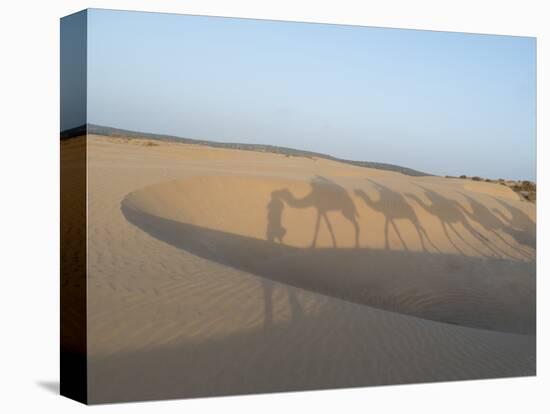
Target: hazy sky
<point>445,103</point>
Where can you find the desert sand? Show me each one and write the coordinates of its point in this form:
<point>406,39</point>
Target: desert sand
<point>218,271</point>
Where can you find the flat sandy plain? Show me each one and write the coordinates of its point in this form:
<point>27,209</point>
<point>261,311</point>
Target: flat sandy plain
<point>216,271</point>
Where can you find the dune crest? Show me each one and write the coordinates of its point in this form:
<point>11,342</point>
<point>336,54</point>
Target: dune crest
<point>377,213</point>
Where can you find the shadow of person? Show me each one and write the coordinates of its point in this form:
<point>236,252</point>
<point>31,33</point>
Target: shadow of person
<point>325,196</point>
<point>450,214</point>
<point>268,289</point>
<point>275,231</point>
<point>394,206</point>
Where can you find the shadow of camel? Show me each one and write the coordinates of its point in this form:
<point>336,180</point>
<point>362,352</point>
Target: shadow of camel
<point>325,196</point>
<point>521,227</point>
<point>394,206</point>
<point>492,225</point>
<point>451,214</point>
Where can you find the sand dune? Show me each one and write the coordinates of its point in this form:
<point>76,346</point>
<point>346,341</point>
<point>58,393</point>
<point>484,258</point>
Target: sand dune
<point>216,271</point>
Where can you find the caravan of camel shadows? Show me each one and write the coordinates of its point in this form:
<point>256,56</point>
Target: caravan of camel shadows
<point>219,272</point>
<point>478,235</point>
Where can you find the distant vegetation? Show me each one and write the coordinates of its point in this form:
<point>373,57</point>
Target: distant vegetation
<point>526,189</point>
<point>116,132</point>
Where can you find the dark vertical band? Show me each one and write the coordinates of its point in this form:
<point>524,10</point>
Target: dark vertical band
<point>73,169</point>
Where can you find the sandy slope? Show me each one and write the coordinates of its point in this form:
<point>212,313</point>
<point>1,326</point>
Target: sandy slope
<point>216,271</point>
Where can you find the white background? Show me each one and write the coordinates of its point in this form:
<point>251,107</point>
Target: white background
<point>29,204</point>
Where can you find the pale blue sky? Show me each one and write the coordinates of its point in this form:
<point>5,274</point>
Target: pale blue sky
<point>445,103</point>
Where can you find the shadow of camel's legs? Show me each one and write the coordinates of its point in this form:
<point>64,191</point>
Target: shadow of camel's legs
<point>386,234</point>
<point>325,217</point>
<point>399,235</point>
<point>467,243</point>
<point>316,232</point>
<point>420,235</point>
<point>444,225</point>
<point>353,221</point>
<point>424,235</point>
<point>483,240</point>
<point>520,251</point>
<point>491,246</point>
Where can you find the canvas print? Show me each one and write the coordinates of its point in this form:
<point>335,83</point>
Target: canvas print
<point>253,206</point>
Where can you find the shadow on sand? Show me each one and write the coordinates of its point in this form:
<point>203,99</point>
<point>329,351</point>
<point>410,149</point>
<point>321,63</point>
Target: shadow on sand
<point>394,207</point>
<point>301,356</point>
<point>378,278</point>
<point>325,196</point>
<point>265,360</point>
